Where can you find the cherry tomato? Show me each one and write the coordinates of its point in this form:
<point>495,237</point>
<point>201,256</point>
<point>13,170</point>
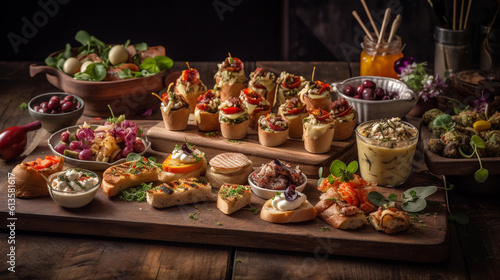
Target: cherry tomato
<point>231,110</point>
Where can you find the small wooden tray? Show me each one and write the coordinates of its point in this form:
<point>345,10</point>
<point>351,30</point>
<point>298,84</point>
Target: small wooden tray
<point>292,151</point>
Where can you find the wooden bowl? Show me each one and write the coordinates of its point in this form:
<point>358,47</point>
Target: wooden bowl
<point>130,97</point>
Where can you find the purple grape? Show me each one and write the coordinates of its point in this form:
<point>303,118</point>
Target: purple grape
<point>360,89</point>
<point>60,148</point>
<point>369,84</point>
<point>53,104</point>
<point>36,108</point>
<point>380,93</point>
<point>65,136</point>
<point>69,98</point>
<point>357,96</point>
<point>139,146</point>
<point>368,94</point>
<point>127,150</point>
<point>45,110</point>
<point>44,105</point>
<point>386,97</point>
<point>75,145</point>
<point>85,154</point>
<point>349,90</point>
<point>54,97</point>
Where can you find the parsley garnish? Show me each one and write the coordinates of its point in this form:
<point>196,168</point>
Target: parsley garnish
<point>253,209</point>
<point>137,193</point>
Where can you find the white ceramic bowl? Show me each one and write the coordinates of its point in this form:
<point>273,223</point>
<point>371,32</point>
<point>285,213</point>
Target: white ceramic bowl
<point>379,109</point>
<point>73,199</point>
<point>268,193</point>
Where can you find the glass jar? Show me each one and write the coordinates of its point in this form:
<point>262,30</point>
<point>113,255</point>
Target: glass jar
<point>378,59</point>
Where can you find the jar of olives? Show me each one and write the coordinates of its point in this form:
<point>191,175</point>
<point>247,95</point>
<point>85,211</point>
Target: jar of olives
<point>377,59</point>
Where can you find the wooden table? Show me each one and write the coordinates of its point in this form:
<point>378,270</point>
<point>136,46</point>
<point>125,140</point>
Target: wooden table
<point>474,253</point>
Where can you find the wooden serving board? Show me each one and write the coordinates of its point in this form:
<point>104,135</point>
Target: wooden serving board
<point>292,151</point>
<point>426,240</point>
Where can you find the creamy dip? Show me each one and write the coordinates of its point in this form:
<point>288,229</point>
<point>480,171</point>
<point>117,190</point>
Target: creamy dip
<point>280,203</point>
<point>385,151</point>
<point>73,188</point>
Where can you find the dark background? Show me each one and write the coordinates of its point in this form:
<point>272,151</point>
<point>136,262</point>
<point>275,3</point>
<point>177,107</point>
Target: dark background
<point>303,30</point>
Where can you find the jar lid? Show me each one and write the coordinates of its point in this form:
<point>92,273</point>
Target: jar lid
<point>453,37</point>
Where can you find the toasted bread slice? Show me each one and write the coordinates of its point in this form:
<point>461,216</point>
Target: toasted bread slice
<point>305,212</point>
<point>179,192</point>
<point>118,177</point>
<point>229,162</point>
<point>232,198</point>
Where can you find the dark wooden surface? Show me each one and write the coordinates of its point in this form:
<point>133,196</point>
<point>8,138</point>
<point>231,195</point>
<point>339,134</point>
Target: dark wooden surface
<point>473,252</point>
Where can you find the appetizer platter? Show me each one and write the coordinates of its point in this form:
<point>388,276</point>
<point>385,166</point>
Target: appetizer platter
<point>169,214</point>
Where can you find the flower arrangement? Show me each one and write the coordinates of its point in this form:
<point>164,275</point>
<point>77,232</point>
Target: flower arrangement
<point>414,75</point>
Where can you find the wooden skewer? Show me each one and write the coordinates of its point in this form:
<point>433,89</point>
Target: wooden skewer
<point>467,14</point>
<point>385,22</point>
<point>454,12</point>
<point>461,15</point>
<point>312,77</point>
<point>187,63</point>
<point>370,17</point>
<point>394,28</point>
<point>355,14</point>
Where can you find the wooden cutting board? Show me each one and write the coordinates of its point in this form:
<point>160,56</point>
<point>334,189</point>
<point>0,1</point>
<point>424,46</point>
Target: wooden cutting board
<point>425,241</point>
<point>292,151</point>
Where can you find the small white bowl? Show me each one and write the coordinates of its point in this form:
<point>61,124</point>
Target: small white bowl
<point>268,193</point>
<point>73,199</point>
<point>379,109</point>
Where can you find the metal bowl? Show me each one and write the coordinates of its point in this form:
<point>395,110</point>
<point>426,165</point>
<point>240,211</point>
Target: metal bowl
<point>379,109</point>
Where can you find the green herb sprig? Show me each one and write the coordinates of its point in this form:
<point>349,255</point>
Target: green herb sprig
<point>444,121</point>
<point>141,162</point>
<point>342,172</point>
<point>481,175</point>
<point>138,193</point>
<point>413,198</point>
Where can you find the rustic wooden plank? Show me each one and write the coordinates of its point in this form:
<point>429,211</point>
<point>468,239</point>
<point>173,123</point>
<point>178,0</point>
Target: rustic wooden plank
<point>56,256</point>
<point>325,71</point>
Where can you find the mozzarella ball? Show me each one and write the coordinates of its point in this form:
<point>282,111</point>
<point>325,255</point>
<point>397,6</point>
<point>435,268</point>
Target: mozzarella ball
<point>118,54</point>
<point>71,65</point>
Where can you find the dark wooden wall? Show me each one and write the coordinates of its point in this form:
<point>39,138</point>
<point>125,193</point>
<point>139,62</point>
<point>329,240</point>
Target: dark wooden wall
<point>306,30</point>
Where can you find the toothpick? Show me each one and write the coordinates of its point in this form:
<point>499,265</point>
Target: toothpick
<point>187,63</point>
<point>312,77</point>
<point>355,14</point>
<point>454,12</point>
<point>370,17</point>
<point>461,15</point>
<point>467,14</point>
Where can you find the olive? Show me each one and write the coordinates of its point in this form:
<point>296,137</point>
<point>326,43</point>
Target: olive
<point>392,94</point>
<point>360,89</point>
<point>368,94</point>
<point>369,84</point>
<point>68,98</point>
<point>44,105</point>
<point>53,104</point>
<point>68,106</point>
<point>349,90</point>
<point>380,93</point>
<point>358,96</point>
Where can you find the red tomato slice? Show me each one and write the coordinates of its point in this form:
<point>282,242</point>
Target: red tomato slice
<point>324,87</point>
<point>320,114</point>
<point>275,127</point>
<point>231,110</point>
<point>295,83</point>
<point>294,111</point>
<point>252,97</point>
<point>202,106</point>
<point>346,112</point>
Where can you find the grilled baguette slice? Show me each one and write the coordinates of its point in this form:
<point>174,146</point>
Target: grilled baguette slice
<point>118,177</point>
<point>232,198</point>
<point>179,192</point>
<point>305,212</point>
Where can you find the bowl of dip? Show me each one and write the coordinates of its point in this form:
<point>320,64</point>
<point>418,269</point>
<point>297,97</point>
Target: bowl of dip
<point>385,150</point>
<point>73,188</point>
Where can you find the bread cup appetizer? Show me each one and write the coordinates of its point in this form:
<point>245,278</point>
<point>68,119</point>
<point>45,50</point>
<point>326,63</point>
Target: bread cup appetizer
<point>30,177</point>
<point>263,82</point>
<point>318,131</point>
<point>229,168</point>
<point>316,95</point>
<point>230,78</point>
<point>174,110</point>
<point>190,86</point>
<point>295,111</point>
<point>345,119</point>
<point>232,198</point>
<point>289,85</point>
<point>206,112</point>
<point>234,118</point>
<point>289,206</point>
<point>273,130</point>
<point>256,105</point>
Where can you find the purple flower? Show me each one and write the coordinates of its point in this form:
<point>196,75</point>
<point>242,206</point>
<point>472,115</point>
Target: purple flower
<point>482,103</point>
<point>402,63</point>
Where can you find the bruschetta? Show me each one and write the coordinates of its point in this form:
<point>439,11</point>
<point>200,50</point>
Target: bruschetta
<point>180,192</point>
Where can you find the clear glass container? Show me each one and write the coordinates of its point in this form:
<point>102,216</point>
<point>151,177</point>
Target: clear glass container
<point>378,59</point>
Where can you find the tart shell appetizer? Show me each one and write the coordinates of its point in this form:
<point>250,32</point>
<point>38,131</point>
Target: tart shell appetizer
<point>175,111</point>
<point>256,105</point>
<point>273,130</point>
<point>289,85</point>
<point>345,119</point>
<point>230,78</point>
<point>207,112</point>
<point>234,119</point>
<point>295,111</point>
<point>318,131</point>
<point>190,86</point>
<point>316,96</point>
<point>263,82</point>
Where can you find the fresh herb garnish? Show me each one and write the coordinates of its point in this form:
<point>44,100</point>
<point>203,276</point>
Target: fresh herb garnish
<point>253,209</point>
<point>444,121</point>
<point>342,172</point>
<point>218,223</point>
<point>413,198</point>
<point>138,193</point>
<point>23,105</point>
<point>141,162</point>
<point>481,174</point>
<point>325,229</point>
<point>193,216</point>
<point>212,134</point>
<point>234,141</point>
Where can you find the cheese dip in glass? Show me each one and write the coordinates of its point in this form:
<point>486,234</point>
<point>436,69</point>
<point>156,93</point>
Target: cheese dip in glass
<point>385,150</point>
